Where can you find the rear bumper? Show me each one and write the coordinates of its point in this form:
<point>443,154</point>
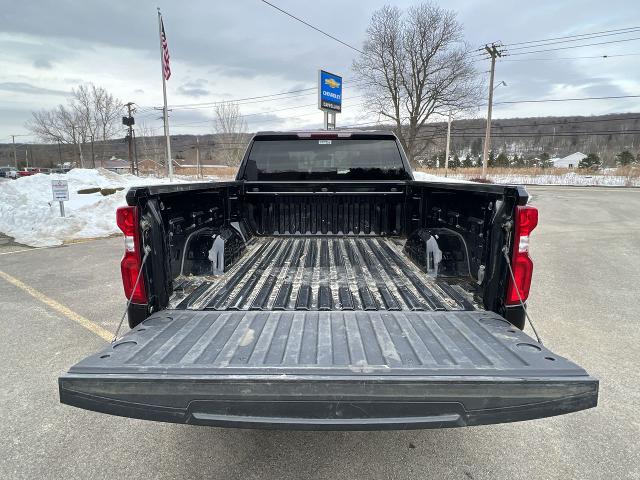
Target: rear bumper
<point>327,403</point>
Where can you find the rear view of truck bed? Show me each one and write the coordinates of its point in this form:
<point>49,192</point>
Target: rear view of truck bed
<point>328,370</point>
<point>326,289</point>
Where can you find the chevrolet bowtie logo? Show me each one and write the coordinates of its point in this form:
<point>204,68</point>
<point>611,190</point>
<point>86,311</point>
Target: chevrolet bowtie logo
<point>331,82</point>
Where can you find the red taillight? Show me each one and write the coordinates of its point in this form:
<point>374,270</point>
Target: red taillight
<point>127,220</point>
<point>525,221</point>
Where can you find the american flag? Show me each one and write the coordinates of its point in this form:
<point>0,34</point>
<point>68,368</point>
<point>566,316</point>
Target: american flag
<point>165,53</point>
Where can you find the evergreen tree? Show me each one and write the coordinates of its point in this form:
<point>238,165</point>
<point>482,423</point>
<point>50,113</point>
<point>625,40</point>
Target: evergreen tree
<point>454,162</point>
<point>502,160</point>
<point>430,162</point>
<point>545,161</point>
<point>491,161</point>
<point>591,161</point>
<point>624,158</point>
<point>468,161</point>
<point>476,147</point>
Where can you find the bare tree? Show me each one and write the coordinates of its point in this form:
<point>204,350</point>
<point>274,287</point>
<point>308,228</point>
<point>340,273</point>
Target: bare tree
<point>415,66</point>
<point>152,148</point>
<point>90,111</point>
<point>230,126</point>
<point>56,125</point>
<point>107,112</point>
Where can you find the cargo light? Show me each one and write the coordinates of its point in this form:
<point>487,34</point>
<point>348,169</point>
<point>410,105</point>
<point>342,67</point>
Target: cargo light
<point>127,220</point>
<point>321,135</point>
<point>526,220</point>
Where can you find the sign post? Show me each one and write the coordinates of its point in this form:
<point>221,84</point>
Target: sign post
<point>329,97</point>
<point>60,189</point>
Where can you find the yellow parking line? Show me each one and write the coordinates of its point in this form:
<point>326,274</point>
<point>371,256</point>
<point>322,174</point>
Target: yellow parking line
<point>60,308</point>
<point>23,250</point>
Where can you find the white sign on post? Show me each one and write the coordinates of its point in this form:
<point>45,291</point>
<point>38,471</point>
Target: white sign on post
<point>60,189</point>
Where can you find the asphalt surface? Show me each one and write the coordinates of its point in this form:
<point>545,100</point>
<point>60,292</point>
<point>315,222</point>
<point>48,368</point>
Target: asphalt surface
<point>585,302</point>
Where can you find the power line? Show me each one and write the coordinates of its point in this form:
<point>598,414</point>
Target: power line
<point>572,36</point>
<point>252,100</point>
<point>572,46</point>
<point>214,104</point>
<point>634,30</point>
<point>313,27</point>
<point>237,100</point>
<point>270,111</point>
<point>495,123</point>
<point>539,135</point>
<point>567,99</point>
<point>495,103</point>
<point>571,58</point>
<point>544,124</point>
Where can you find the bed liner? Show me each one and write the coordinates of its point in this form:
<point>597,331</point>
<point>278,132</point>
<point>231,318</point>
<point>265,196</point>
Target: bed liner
<point>324,273</point>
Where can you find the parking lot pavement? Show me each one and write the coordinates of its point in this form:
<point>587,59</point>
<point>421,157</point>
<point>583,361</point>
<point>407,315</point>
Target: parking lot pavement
<point>584,301</point>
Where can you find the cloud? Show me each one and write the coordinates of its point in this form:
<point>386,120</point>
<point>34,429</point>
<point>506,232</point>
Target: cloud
<point>23,87</point>
<point>228,50</point>
<point>42,63</point>
<point>194,88</point>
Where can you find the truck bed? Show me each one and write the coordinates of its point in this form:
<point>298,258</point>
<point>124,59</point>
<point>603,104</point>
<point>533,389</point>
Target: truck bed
<point>323,273</point>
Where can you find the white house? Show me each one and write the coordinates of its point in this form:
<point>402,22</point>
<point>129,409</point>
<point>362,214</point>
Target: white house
<point>570,161</point>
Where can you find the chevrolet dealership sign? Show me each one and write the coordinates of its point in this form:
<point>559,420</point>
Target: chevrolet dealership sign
<point>329,92</point>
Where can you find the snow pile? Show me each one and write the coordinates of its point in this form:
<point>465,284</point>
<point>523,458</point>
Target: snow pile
<point>570,178</point>
<point>428,177</point>
<point>28,213</point>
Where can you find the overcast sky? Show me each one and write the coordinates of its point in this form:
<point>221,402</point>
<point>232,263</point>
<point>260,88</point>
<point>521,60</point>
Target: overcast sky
<point>244,48</point>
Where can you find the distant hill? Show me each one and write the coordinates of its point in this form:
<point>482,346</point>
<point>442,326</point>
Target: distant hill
<point>605,135</point>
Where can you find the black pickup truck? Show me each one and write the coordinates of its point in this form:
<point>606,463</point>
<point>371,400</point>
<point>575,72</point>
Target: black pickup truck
<point>325,288</point>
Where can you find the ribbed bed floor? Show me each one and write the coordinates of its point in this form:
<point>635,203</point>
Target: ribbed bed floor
<point>322,273</point>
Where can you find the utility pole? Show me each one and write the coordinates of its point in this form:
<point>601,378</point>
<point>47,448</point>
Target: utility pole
<point>198,167</point>
<point>129,121</point>
<point>59,155</point>
<point>494,52</point>
<point>135,153</point>
<point>446,159</point>
<point>93,156</point>
<point>15,157</point>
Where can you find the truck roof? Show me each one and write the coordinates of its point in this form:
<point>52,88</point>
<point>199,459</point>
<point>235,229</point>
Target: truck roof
<point>338,132</point>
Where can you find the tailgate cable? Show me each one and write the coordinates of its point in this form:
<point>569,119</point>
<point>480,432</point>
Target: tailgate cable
<point>147,251</point>
<point>524,307</point>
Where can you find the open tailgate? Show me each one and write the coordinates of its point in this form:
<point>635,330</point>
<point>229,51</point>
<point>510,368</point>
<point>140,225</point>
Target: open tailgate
<point>328,370</point>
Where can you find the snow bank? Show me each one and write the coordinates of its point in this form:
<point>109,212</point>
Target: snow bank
<point>28,213</point>
<point>428,177</point>
<point>570,178</point>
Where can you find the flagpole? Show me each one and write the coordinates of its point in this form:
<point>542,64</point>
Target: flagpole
<point>164,93</point>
